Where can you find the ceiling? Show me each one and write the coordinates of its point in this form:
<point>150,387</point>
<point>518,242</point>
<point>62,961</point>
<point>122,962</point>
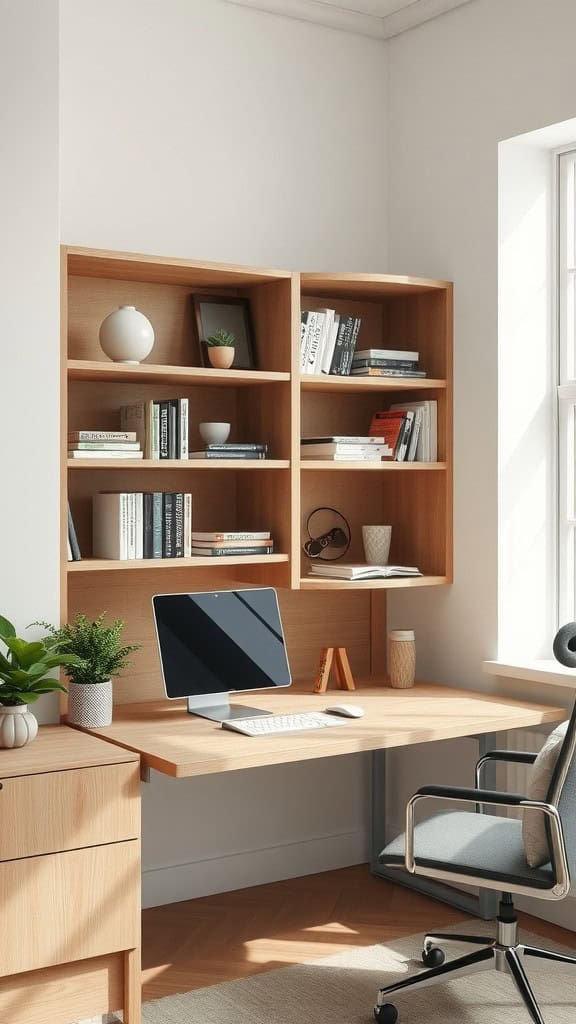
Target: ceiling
<point>381,19</point>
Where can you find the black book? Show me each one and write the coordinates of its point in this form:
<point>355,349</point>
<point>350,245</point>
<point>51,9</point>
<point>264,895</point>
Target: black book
<point>223,552</point>
<point>348,352</point>
<point>148,516</point>
<point>205,454</point>
<point>173,439</point>
<point>385,364</point>
<point>74,546</point>
<point>168,531</point>
<point>164,429</point>
<point>236,447</point>
<point>178,511</point>
<point>157,524</point>
<point>342,346</point>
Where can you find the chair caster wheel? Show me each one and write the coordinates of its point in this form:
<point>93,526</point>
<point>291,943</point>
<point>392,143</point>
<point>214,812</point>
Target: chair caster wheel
<point>433,957</point>
<point>386,1014</point>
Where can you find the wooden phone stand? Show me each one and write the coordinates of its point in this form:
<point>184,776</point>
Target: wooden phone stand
<point>337,657</point>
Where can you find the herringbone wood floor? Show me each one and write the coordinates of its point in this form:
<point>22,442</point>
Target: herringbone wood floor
<point>233,935</point>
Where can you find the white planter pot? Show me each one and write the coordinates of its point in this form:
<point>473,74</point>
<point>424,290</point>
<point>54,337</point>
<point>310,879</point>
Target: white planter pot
<point>90,704</point>
<point>126,335</point>
<point>18,726</point>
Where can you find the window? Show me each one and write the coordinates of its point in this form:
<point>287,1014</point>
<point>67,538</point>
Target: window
<point>566,276</point>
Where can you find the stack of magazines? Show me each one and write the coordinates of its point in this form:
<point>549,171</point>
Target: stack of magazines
<point>341,571</point>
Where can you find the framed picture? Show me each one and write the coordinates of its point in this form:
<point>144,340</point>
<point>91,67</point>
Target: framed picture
<point>220,312</point>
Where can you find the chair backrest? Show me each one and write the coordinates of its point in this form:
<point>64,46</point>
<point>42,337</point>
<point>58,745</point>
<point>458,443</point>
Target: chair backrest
<point>562,791</point>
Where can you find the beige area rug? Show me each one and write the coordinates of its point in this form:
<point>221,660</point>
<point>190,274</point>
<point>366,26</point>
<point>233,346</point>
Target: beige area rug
<point>342,990</point>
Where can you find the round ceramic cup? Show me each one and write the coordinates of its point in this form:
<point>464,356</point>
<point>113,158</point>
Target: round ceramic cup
<point>214,433</point>
<point>377,544</point>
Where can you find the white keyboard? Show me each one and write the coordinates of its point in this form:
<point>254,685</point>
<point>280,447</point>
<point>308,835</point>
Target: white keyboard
<point>272,725</point>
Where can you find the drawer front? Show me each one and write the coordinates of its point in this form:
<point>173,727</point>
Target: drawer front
<point>69,906</point>
<point>68,810</point>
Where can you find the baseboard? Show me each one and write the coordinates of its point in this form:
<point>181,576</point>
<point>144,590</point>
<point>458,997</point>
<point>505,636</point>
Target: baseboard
<point>173,883</point>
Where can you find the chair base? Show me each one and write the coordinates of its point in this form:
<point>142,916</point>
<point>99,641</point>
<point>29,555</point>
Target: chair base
<point>505,954</point>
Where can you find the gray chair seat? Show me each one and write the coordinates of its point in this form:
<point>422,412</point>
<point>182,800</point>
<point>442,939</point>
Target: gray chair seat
<point>473,844</point>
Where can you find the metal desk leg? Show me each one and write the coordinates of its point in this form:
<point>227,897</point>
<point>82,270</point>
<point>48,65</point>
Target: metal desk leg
<point>484,905</point>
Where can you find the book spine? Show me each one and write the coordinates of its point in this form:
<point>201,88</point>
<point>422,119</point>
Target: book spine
<point>139,524</point>
<point>187,525</point>
<point>101,435</point>
<point>155,430</point>
<point>217,537</point>
<point>173,428</point>
<point>147,504</point>
<point>103,446</point>
<point>157,524</point>
<point>168,530</point>
<point>124,525</point>
<point>343,328</point>
<point>164,430</point>
<point>315,342</point>
<point>222,552</point>
<point>232,455</point>
<point>178,526</point>
<point>237,448</point>
<point>304,320</point>
<point>310,332</point>
<point>183,428</point>
<point>385,364</point>
<point>348,350</point>
<point>72,538</point>
<point>376,371</point>
<point>131,504</point>
<point>149,412</point>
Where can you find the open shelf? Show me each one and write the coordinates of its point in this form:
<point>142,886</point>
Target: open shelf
<point>373,467</point>
<point>310,583</point>
<point>186,376</point>
<point>184,465</point>
<point>359,385</point>
<point>111,565</point>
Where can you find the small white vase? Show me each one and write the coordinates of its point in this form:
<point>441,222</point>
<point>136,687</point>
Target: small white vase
<point>126,335</point>
<point>90,704</point>
<point>377,544</point>
<point>18,726</point>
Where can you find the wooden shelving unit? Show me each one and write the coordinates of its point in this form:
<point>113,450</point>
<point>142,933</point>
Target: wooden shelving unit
<point>273,404</point>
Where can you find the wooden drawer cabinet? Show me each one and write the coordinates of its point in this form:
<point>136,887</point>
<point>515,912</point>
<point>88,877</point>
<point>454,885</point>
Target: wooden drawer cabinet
<point>62,810</point>
<point>69,879</point>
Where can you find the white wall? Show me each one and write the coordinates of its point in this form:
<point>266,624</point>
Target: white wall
<point>29,315</point>
<point>215,132</point>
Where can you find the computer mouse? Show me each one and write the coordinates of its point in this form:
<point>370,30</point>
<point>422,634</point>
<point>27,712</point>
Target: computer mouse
<point>346,710</point>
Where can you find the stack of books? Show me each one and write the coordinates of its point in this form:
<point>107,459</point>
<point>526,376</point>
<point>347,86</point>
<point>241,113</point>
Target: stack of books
<point>345,448</point>
<point>103,444</point>
<point>231,451</point>
<point>386,362</point>
<point>410,430</point>
<point>161,427</point>
<point>340,571</point>
<point>327,341</point>
<point>141,525</point>
<point>220,545</point>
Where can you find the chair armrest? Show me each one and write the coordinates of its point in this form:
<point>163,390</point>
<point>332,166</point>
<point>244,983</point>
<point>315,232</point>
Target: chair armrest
<point>488,796</point>
<point>510,756</point>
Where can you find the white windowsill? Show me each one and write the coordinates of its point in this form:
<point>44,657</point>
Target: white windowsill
<point>541,670</point>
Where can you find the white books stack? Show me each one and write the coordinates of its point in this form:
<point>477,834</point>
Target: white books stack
<point>341,571</point>
<point>345,448</point>
<point>426,428</point>
<point>103,444</point>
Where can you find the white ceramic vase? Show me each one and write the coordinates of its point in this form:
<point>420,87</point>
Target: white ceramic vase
<point>377,544</point>
<point>126,335</point>
<point>90,704</point>
<point>18,726</point>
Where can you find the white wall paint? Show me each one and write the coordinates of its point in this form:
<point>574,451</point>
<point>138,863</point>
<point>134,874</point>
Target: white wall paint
<point>29,315</point>
<point>210,131</point>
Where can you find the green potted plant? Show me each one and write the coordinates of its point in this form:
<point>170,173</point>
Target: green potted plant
<point>24,676</point>
<point>221,349</point>
<point>98,658</point>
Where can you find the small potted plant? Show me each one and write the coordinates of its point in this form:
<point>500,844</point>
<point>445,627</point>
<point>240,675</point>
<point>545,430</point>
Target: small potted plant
<point>221,349</point>
<point>98,657</point>
<point>24,676</point>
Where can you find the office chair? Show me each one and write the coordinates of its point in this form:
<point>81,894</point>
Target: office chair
<point>475,848</point>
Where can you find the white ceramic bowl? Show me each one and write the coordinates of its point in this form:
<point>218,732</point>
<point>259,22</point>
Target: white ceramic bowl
<point>214,433</point>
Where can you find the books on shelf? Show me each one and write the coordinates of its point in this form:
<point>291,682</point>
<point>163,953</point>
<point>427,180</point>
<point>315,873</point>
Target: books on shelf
<point>161,426</point>
<point>231,451</point>
<point>327,341</point>
<point>425,446</point>
<point>375,371</point>
<point>103,444</point>
<point>110,436</point>
<point>127,525</point>
<point>219,537</point>
<point>387,353</point>
<point>219,545</point>
<point>342,571</point>
<point>382,362</point>
<point>104,453</point>
<point>342,449</point>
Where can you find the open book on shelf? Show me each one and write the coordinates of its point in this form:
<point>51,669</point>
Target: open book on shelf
<point>343,571</point>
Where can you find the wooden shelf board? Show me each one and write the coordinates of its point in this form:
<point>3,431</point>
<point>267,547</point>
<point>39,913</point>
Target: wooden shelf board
<point>331,382</point>
<point>374,467</point>
<point>367,286</point>
<point>149,373</point>
<point>127,266</point>
<point>183,464</point>
<point>312,583</point>
<point>111,565</point>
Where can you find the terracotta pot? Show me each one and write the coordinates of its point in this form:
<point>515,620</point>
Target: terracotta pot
<point>18,726</point>
<point>221,356</point>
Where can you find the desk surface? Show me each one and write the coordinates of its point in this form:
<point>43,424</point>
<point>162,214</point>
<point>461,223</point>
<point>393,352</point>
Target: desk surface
<point>57,749</point>
<point>178,744</point>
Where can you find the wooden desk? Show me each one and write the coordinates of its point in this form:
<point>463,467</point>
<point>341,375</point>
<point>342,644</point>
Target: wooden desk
<point>171,741</point>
